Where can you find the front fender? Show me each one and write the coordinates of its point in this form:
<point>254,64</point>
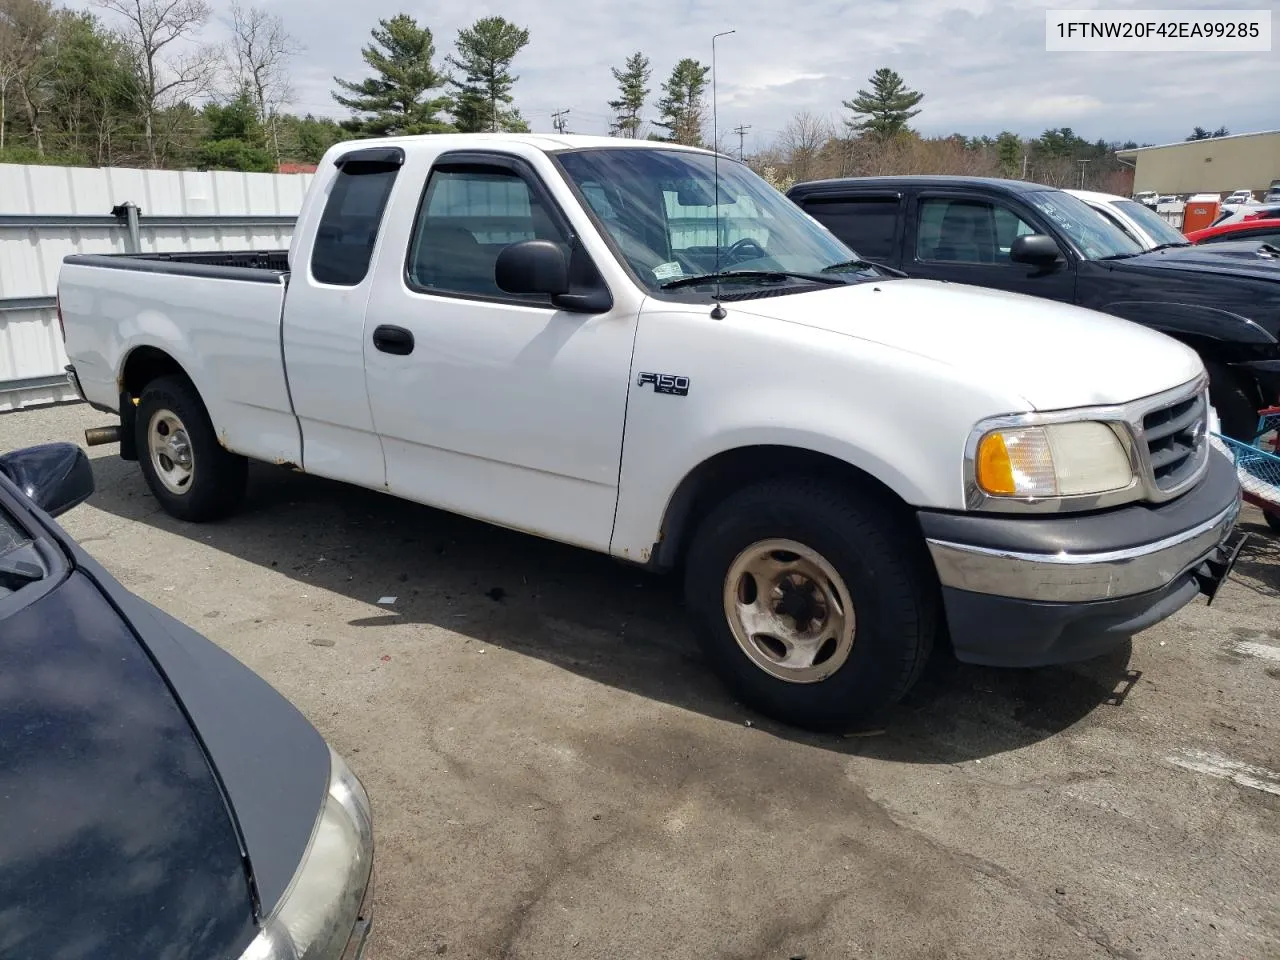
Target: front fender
<point>899,417</point>
<point>1216,332</point>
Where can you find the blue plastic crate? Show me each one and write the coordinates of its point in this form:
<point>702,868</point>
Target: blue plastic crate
<point>1257,469</point>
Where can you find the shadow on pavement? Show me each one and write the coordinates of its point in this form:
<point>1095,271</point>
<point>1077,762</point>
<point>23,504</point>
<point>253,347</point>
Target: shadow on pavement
<point>589,614</point>
<point>1258,566</point>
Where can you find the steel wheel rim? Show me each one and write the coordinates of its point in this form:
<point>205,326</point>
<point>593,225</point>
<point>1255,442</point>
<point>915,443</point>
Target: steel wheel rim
<point>170,449</point>
<point>789,610</point>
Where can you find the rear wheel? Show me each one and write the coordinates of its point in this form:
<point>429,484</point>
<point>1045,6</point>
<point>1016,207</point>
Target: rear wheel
<point>1273,520</point>
<point>815,608</point>
<point>188,471</point>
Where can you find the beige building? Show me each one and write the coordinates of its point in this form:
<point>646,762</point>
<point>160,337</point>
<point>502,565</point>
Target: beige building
<point>1242,161</point>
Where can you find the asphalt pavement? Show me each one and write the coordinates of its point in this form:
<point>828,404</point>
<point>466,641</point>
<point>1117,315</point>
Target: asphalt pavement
<point>555,773</point>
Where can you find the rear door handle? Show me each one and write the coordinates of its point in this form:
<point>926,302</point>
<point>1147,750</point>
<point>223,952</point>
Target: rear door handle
<point>390,339</point>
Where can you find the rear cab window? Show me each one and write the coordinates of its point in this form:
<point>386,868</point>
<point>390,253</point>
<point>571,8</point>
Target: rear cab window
<point>348,229</point>
<point>870,224</point>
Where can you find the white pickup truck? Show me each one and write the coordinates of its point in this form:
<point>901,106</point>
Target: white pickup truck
<point>569,336</point>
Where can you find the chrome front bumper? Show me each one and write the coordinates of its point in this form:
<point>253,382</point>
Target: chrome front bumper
<point>1080,577</point>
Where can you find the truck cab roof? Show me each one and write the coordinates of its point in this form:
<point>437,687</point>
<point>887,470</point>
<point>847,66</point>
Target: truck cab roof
<point>995,184</point>
<point>546,142</point>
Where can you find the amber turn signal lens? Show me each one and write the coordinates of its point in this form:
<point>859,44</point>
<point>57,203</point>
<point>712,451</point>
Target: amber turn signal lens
<point>995,471</point>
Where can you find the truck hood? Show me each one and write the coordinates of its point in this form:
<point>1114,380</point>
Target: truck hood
<point>1051,354</point>
<point>1238,258</point>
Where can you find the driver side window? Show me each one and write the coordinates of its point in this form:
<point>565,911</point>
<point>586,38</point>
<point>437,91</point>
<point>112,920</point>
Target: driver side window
<point>467,217</point>
<point>967,231</point>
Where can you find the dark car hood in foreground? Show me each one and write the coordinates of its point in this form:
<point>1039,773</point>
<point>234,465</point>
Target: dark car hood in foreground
<point>116,841</point>
<point>1237,258</point>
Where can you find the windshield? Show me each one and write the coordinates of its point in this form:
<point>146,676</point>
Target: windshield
<point>1157,228</point>
<point>1091,232</point>
<point>659,206</point>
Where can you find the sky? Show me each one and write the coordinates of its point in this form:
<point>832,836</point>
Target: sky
<point>981,64</point>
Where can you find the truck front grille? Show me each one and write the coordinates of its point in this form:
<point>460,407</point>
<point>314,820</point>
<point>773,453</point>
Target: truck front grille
<point>1177,439</point>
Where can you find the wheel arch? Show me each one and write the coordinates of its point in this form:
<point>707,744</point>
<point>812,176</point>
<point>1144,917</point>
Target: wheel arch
<point>142,364</point>
<point>723,474</point>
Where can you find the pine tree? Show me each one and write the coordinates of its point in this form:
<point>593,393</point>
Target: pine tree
<point>633,90</point>
<point>396,99</point>
<point>681,107</point>
<point>885,109</point>
<point>1009,151</point>
<point>485,52</point>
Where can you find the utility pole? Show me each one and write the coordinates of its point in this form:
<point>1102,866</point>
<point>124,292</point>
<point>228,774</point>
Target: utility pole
<point>741,131</point>
<point>1082,163</point>
<point>558,120</point>
<point>1024,166</point>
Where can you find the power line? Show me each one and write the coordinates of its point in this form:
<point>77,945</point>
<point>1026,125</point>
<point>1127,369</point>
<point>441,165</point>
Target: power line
<point>741,131</point>
<point>558,120</point>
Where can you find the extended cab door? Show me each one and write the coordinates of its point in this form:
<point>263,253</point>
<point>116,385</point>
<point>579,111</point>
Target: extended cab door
<point>966,238</point>
<point>869,223</point>
<point>497,406</point>
<point>323,337</point>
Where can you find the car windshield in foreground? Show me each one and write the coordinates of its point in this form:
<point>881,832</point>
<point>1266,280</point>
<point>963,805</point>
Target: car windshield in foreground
<point>1157,227</point>
<point>1095,236</point>
<point>660,208</point>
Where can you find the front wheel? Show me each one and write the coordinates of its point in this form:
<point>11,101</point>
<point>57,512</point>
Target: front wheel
<point>812,605</point>
<point>192,475</point>
<point>1273,520</point>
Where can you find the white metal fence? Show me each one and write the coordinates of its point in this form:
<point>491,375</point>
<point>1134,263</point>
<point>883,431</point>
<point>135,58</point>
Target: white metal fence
<point>49,212</point>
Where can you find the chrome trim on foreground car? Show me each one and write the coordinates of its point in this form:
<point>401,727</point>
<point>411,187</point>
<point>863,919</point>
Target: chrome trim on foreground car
<point>1125,420</point>
<point>1080,577</point>
<point>324,913</point>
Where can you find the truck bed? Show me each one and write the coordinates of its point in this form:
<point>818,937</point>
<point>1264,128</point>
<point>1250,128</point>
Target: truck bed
<point>214,315</point>
<point>266,266</point>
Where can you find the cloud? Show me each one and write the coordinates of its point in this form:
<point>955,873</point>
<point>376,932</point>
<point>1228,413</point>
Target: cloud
<point>981,63</point>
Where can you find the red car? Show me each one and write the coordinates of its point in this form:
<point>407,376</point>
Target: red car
<point>1264,231</point>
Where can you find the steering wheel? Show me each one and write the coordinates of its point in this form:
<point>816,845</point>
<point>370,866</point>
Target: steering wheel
<point>735,251</point>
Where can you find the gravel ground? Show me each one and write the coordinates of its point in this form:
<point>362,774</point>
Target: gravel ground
<point>555,774</point>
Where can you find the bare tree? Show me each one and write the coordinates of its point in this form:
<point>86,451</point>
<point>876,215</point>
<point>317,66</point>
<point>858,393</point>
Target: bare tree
<point>159,34</point>
<point>25,29</point>
<point>802,142</point>
<point>262,49</point>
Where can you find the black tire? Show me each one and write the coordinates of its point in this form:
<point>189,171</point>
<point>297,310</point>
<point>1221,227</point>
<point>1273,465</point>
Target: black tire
<point>884,569</point>
<point>217,477</point>
<point>1273,520</point>
<point>1236,406</point>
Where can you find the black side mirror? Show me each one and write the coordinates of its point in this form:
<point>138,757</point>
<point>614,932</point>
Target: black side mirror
<point>54,476</point>
<point>1037,249</point>
<point>532,266</point>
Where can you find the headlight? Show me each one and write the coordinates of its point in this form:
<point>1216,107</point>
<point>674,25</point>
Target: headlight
<point>1054,460</point>
<point>317,915</point>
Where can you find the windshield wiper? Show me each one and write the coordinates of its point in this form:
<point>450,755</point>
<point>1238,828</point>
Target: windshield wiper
<point>732,275</point>
<point>1171,243</point>
<point>1118,256</point>
<point>861,265</point>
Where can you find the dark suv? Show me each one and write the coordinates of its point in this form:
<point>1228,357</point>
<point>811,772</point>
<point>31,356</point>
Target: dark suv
<point>1032,239</point>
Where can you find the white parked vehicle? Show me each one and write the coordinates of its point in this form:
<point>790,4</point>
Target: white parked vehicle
<point>570,337</point>
<point>1137,220</point>
<point>1239,196</point>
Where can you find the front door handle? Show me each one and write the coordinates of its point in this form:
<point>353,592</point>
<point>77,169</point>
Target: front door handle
<point>391,339</point>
